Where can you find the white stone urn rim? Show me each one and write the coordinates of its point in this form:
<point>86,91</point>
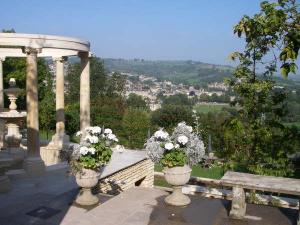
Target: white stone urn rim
<point>81,172</point>
<point>188,170</point>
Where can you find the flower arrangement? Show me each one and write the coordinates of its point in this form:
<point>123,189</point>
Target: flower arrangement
<point>94,149</point>
<point>181,148</point>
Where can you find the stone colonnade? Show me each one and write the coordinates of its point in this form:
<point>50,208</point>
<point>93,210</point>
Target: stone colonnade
<point>59,48</point>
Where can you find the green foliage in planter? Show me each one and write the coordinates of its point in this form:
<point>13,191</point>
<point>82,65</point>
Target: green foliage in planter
<point>101,157</point>
<point>174,158</point>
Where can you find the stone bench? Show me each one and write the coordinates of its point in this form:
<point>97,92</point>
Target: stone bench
<point>126,169</point>
<point>241,181</point>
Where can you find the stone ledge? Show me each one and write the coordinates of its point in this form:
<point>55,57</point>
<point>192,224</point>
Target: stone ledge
<point>138,174</point>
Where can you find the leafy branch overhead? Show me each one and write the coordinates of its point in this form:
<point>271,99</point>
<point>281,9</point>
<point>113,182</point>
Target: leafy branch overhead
<point>275,31</point>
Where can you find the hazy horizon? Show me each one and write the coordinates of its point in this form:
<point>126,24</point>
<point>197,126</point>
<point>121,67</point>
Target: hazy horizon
<point>152,30</point>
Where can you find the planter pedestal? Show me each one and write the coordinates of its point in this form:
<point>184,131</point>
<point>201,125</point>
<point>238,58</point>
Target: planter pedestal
<point>177,198</point>
<point>85,197</point>
<point>177,177</point>
<point>87,179</point>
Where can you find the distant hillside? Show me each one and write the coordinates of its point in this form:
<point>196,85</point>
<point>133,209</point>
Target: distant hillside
<point>187,72</point>
<point>180,71</point>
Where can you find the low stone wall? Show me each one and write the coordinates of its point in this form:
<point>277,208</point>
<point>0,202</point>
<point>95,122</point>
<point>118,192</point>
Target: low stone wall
<point>139,174</point>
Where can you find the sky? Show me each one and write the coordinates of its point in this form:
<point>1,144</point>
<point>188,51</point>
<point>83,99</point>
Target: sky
<point>200,30</point>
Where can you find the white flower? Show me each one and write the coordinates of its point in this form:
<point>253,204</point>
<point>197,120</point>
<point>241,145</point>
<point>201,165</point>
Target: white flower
<point>169,146</point>
<point>176,146</point>
<point>83,150</point>
<point>190,129</point>
<point>161,135</point>
<point>107,131</point>
<point>120,148</point>
<point>111,137</point>
<point>182,139</point>
<point>79,133</point>
<point>96,130</point>
<point>181,124</point>
<point>89,129</point>
<point>91,139</point>
<point>92,150</point>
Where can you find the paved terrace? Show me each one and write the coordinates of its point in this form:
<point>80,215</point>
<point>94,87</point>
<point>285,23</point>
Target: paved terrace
<point>48,200</point>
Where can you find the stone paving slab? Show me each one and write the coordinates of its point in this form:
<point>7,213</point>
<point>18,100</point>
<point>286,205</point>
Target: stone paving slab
<point>137,206</point>
<point>144,206</point>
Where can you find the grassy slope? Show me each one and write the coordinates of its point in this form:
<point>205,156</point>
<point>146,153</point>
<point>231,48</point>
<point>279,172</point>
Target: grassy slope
<point>208,108</point>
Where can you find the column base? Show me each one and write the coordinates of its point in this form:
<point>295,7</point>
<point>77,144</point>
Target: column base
<point>34,166</point>
<point>60,140</point>
<point>2,134</point>
<point>4,184</point>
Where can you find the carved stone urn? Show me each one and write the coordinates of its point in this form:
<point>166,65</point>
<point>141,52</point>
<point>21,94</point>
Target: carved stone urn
<point>87,179</point>
<point>177,177</point>
<point>13,119</point>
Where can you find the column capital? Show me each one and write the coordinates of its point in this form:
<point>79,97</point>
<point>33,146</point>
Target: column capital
<point>31,51</point>
<point>84,54</point>
<point>60,58</point>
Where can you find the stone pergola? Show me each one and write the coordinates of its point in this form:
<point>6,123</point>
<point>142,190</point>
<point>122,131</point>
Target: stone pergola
<point>32,46</point>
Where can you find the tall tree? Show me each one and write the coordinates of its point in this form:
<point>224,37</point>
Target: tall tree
<point>256,140</point>
<point>135,124</point>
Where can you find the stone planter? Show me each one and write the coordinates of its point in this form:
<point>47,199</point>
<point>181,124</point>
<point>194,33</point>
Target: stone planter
<point>177,177</point>
<point>87,179</point>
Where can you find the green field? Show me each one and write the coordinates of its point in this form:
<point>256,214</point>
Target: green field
<point>197,171</point>
<point>297,124</point>
<point>206,108</point>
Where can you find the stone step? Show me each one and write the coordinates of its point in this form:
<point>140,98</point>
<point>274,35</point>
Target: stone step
<point>16,174</point>
<point>6,161</point>
<point>57,168</point>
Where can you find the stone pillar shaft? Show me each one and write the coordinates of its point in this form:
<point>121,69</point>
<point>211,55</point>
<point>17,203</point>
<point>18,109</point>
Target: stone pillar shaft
<point>33,139</point>
<point>2,122</point>
<point>84,91</point>
<point>1,85</point>
<point>60,97</point>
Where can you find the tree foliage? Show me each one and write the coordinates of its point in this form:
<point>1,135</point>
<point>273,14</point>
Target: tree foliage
<point>135,124</point>
<point>177,99</point>
<point>256,140</point>
<point>170,115</point>
<point>136,101</point>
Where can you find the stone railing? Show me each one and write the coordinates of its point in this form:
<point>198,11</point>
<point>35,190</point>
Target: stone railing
<point>213,188</point>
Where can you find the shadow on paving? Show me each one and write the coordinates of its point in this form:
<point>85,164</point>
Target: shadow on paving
<point>206,211</point>
<point>42,209</point>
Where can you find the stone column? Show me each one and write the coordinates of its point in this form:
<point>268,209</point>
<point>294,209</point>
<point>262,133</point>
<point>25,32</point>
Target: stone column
<point>84,91</point>
<point>60,138</point>
<point>33,164</point>
<point>1,84</point>
<point>2,122</point>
